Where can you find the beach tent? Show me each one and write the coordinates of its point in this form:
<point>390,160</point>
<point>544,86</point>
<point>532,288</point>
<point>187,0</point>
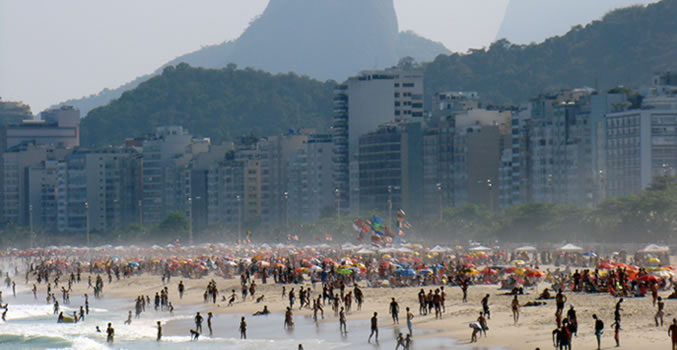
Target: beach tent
<point>570,248</point>
<point>348,246</point>
<point>654,248</point>
<point>480,249</point>
<point>365,251</point>
<point>526,248</point>
<point>404,250</point>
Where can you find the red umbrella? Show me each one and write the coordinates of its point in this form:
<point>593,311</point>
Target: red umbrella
<point>488,272</point>
<point>510,269</point>
<point>605,266</point>
<point>535,273</point>
<point>649,278</point>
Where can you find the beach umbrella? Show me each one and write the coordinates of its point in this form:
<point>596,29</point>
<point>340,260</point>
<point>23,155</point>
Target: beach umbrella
<point>133,264</point>
<point>589,254</point>
<point>669,267</point>
<point>519,262</point>
<point>654,260</point>
<point>535,274</point>
<point>605,266</point>
<point>510,269</point>
<point>344,271</point>
<point>488,272</point>
<point>426,272</point>
<point>315,268</point>
<point>407,272</point>
<point>649,278</point>
<point>365,251</point>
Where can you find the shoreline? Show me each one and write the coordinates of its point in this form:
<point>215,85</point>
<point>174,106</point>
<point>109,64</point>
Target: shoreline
<point>533,330</point>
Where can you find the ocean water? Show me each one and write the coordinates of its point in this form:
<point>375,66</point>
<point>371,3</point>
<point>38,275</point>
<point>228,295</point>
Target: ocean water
<point>31,324</point>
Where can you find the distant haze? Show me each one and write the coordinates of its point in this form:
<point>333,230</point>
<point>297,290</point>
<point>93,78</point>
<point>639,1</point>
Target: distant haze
<point>51,51</point>
<point>528,21</point>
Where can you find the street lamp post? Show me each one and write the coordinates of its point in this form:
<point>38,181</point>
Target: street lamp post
<point>439,198</point>
<point>190,220</point>
<point>87,219</point>
<point>30,222</point>
<point>338,205</point>
<point>286,210</point>
<point>140,213</point>
<point>491,197</point>
<point>239,218</point>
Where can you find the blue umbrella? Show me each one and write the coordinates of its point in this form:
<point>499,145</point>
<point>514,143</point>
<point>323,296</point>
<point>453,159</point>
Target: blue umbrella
<point>133,264</point>
<point>590,254</point>
<point>408,272</point>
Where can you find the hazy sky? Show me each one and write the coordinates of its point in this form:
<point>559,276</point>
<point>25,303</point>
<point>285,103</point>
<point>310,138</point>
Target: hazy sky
<point>51,50</point>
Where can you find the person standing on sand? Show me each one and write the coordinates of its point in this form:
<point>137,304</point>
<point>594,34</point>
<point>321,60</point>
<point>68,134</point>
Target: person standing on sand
<point>672,333</point>
<point>243,328</point>
<point>374,327</point>
<point>395,311</point>
<point>485,306</point>
<point>599,330</point>
<point>181,289</point>
<point>464,289</point>
<point>410,317</point>
<point>515,309</point>
<point>659,312</point>
<point>159,330</point>
<point>483,324</point>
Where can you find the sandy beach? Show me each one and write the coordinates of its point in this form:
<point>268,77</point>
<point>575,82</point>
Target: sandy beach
<point>534,329</point>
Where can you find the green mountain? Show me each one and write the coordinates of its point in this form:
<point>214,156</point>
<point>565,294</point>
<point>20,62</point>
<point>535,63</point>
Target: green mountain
<point>626,47</point>
<point>222,104</point>
<point>324,39</point>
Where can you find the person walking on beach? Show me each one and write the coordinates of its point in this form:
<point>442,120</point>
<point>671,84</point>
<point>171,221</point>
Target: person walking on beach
<point>342,322</point>
<point>110,333</point>
<point>599,330</point>
<point>515,309</point>
<point>395,311</point>
<point>560,300</point>
<point>464,289</point>
<point>672,333</point>
<point>485,306</point>
<point>659,312</point>
<point>617,312</point>
<point>159,331</point>
<point>374,327</point>
<point>410,317</point>
<point>198,322</point>
<point>400,342</point>
<point>243,328</point>
<point>617,333</point>
<point>483,324</point>
<point>181,289</point>
<point>209,322</point>
<point>288,319</point>
<point>573,322</point>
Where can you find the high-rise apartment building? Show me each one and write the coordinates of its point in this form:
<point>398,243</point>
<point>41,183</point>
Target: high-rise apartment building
<point>361,104</point>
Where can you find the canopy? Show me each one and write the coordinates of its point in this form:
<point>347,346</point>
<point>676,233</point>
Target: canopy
<point>654,248</point>
<point>570,248</point>
<point>365,251</point>
<point>526,248</point>
<point>479,249</point>
<point>438,249</point>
